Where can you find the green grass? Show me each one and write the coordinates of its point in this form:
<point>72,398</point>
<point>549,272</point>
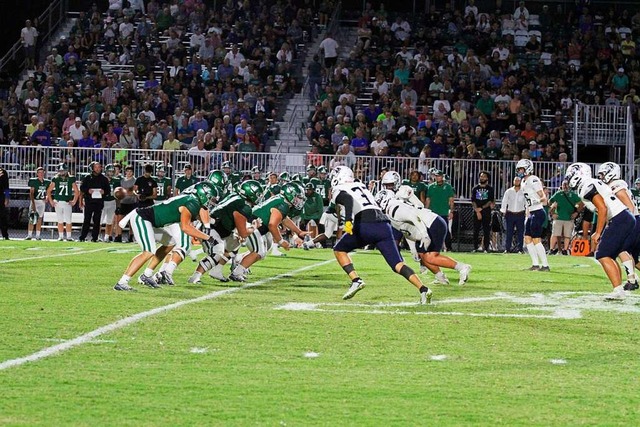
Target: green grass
<point>372,368</point>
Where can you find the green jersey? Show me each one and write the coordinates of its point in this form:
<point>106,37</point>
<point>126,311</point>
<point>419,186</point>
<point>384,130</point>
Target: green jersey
<point>164,185</point>
<point>39,188</point>
<point>62,188</point>
<point>419,189</point>
<point>272,190</point>
<point>566,204</point>
<point>167,212</point>
<point>439,196</point>
<point>113,183</point>
<point>235,177</point>
<point>635,194</point>
<point>263,211</point>
<point>322,188</point>
<point>223,214</point>
<point>313,207</point>
<point>183,182</point>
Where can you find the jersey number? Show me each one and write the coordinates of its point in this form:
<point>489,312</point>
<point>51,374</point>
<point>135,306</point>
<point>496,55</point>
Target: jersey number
<point>63,190</point>
<point>527,199</point>
<point>363,196</point>
<point>161,190</point>
<point>42,193</point>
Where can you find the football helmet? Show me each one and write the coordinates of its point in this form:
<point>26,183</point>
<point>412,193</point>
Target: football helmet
<point>294,195</point>
<point>383,197</point>
<point>576,173</point>
<point>226,165</point>
<point>283,177</point>
<point>218,178</point>
<point>341,175</point>
<point>637,182</point>
<point>608,172</point>
<point>159,169</point>
<point>63,169</point>
<point>207,194</point>
<point>250,190</point>
<point>322,169</point>
<point>525,164</point>
<point>310,186</point>
<point>311,167</point>
<point>391,178</point>
<point>296,177</point>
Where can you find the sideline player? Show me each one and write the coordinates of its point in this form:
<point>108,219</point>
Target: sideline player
<point>63,194</point>
<point>109,210</point>
<point>37,195</point>
<point>170,224</point>
<point>614,229</point>
<point>366,224</point>
<point>535,200</point>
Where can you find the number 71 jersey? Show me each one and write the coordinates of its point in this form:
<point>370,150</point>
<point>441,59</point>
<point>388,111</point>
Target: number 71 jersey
<point>362,197</point>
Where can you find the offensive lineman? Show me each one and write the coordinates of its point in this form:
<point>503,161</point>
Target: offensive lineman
<point>535,199</point>
<point>63,194</point>
<point>38,196</point>
<point>366,224</point>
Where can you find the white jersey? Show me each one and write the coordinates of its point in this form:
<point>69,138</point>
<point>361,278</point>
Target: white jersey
<point>362,198</point>
<point>589,187</point>
<point>618,185</point>
<point>530,187</point>
<point>406,194</point>
<point>411,221</point>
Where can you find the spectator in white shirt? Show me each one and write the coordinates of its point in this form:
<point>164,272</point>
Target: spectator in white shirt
<point>379,146</point>
<point>514,213</point>
<point>196,41</point>
<point>471,9</point>
<point>28,36</point>
<point>401,29</point>
<point>234,57</point>
<point>521,11</point>
<point>76,130</point>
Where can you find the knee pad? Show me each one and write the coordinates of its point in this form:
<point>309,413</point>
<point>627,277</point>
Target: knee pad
<point>208,263</point>
<point>181,252</point>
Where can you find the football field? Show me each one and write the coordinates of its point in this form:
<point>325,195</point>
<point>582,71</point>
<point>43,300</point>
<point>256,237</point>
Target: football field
<point>511,347</point>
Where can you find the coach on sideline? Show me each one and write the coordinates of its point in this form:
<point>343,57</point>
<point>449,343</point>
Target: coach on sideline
<point>94,187</point>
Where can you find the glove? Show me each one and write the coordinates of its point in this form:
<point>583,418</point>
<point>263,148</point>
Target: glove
<point>348,227</point>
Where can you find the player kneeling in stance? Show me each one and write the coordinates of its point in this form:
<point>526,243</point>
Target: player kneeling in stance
<point>270,214</point>
<point>229,218</point>
<point>366,224</point>
<point>609,173</point>
<point>535,199</point>
<point>170,223</point>
<point>614,230</point>
<point>425,230</point>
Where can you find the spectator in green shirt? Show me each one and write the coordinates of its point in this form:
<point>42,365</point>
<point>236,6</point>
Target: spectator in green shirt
<point>563,212</point>
<point>419,187</point>
<point>440,198</point>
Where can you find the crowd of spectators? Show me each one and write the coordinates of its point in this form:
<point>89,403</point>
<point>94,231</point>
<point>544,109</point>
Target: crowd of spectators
<point>155,74</point>
<point>472,83</point>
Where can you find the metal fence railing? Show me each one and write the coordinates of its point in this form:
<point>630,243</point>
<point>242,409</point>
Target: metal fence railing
<point>21,162</point>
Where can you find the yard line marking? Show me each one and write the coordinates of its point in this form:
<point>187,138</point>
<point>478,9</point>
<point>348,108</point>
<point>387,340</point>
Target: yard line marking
<point>311,354</point>
<point>7,261</point>
<point>438,357</point>
<point>558,361</point>
<point>90,336</point>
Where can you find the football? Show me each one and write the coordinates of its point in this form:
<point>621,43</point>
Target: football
<point>119,193</point>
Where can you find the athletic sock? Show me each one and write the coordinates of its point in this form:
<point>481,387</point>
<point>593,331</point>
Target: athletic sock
<point>459,266</point>
<point>440,276</point>
<point>148,272</point>
<point>196,276</point>
<point>542,254</point>
<point>37,234</point>
<point>629,268</point>
<point>124,280</point>
<point>163,267</point>
<point>60,236</point>
<point>531,248</point>
<point>171,266</point>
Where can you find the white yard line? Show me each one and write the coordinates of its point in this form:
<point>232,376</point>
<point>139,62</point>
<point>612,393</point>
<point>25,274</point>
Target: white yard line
<point>7,261</point>
<point>91,336</point>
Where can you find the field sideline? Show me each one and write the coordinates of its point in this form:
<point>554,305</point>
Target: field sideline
<point>509,348</point>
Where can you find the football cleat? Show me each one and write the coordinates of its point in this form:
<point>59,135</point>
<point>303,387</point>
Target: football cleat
<point>194,281</point>
<point>123,287</point>
<point>157,277</point>
<point>631,286</point>
<point>276,252</point>
<point>216,273</point>
<point>167,278</point>
<point>60,239</point>
<point>237,278</point>
<point>440,279</point>
<point>543,268</point>
<point>533,268</point>
<point>464,274</point>
<point>28,238</point>
<point>148,281</point>
<point>425,297</point>
<point>355,287</point>
<point>618,293</point>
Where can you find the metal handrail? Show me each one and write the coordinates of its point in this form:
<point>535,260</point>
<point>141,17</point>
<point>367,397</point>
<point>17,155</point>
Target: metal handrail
<point>53,15</point>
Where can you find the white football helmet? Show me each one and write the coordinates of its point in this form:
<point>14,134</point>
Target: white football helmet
<point>576,173</point>
<point>608,172</point>
<point>526,164</point>
<point>392,178</point>
<point>383,197</point>
<point>341,175</point>
<point>637,182</point>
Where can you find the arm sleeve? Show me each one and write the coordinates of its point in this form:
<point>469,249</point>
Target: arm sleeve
<point>346,201</point>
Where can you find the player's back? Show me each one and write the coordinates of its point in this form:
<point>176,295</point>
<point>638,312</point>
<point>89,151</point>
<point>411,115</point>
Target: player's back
<point>618,185</point>
<point>591,187</point>
<point>362,198</point>
<point>167,212</point>
<point>530,188</point>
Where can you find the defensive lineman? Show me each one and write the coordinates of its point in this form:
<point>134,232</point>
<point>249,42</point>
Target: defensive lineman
<point>535,199</point>
<point>366,224</point>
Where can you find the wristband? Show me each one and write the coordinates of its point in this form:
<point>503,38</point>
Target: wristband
<point>281,241</point>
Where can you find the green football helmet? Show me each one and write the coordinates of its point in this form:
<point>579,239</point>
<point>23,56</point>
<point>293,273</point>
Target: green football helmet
<point>218,178</point>
<point>250,190</point>
<point>294,194</point>
<point>63,168</point>
<point>296,177</point>
<point>226,165</point>
<point>322,169</point>
<point>283,177</point>
<point>310,186</point>
<point>311,167</point>
<point>207,194</point>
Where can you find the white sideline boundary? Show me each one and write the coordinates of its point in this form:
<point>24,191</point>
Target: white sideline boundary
<point>90,336</point>
<point>7,261</point>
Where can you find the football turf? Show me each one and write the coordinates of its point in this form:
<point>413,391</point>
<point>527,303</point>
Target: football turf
<point>511,347</point>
